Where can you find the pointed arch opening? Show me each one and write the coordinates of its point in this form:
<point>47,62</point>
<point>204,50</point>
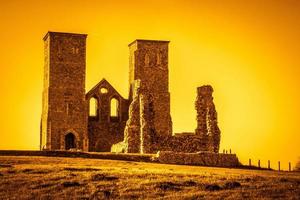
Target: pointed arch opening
<point>93,107</point>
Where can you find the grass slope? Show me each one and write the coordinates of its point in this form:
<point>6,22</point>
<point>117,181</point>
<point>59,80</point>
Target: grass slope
<point>32,177</point>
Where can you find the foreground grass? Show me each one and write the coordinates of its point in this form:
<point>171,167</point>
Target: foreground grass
<point>79,178</point>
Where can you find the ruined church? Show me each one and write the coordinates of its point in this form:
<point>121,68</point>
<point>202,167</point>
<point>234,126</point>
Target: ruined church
<point>101,120</point>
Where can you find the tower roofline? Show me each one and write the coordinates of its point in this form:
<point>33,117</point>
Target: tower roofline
<point>143,40</point>
<point>62,33</point>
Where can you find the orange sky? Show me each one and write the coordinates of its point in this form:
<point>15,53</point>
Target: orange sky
<point>247,50</point>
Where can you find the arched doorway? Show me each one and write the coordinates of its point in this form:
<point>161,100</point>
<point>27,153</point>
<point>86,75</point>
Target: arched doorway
<point>70,141</point>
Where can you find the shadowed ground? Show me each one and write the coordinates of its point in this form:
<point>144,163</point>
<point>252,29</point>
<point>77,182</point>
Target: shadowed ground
<point>82,178</point>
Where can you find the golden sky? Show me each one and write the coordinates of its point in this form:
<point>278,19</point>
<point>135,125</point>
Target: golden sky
<point>249,51</point>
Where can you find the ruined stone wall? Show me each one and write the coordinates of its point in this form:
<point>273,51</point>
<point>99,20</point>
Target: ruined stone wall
<point>180,143</point>
<point>139,134</point>
<point>207,124</point>
<point>149,127</point>
<point>132,129</point>
<point>207,134</point>
<point>64,91</point>
<point>103,128</point>
<point>143,127</point>
<point>200,158</point>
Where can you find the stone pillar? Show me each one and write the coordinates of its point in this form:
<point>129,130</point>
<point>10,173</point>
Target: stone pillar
<point>207,124</point>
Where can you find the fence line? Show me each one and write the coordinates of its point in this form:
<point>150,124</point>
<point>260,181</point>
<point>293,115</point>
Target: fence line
<point>269,165</point>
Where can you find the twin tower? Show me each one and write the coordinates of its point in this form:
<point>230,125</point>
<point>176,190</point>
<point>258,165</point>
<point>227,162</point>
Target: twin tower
<point>101,119</point>
<point>67,122</point>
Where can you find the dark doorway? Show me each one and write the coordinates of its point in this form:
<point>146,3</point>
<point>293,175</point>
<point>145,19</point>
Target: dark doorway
<point>70,141</point>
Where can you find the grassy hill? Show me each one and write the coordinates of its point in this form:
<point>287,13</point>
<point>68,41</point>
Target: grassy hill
<point>37,177</point>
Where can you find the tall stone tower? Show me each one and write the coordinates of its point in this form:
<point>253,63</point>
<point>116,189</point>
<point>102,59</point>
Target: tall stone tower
<point>64,116</point>
<point>148,63</point>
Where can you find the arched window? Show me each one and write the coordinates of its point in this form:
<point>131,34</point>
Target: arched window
<point>114,107</point>
<point>93,110</point>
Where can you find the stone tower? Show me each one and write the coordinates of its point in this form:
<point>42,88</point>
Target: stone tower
<point>64,115</point>
<point>148,63</point>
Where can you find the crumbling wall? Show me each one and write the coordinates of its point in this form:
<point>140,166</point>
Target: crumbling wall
<point>200,158</point>
<point>149,127</point>
<point>207,133</point>
<point>207,124</point>
<point>132,128</point>
<point>138,134</point>
<point>180,143</point>
<point>146,122</point>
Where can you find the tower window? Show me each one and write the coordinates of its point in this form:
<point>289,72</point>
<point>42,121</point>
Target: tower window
<point>93,109</point>
<point>75,50</point>
<point>147,60</point>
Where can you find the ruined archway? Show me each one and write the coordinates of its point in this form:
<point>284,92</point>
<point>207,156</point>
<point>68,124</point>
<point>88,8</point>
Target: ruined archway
<point>70,141</point>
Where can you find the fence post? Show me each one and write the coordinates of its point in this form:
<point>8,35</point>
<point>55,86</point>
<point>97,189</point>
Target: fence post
<point>290,167</point>
<point>278,165</point>
<point>258,163</point>
<point>250,162</point>
<point>230,151</point>
<point>269,166</point>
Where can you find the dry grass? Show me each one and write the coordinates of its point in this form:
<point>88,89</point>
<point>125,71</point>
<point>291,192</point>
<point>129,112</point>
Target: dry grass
<point>80,178</point>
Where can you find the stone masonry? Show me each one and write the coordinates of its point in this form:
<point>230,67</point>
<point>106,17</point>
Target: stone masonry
<point>207,124</point>
<point>140,124</point>
<point>64,115</point>
<point>104,129</point>
<point>148,62</point>
<point>149,111</point>
<point>200,158</point>
<point>139,132</point>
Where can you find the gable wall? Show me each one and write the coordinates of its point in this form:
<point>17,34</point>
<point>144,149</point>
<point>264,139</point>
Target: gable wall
<point>103,129</point>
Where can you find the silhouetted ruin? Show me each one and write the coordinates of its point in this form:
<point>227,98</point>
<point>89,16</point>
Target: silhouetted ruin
<point>140,124</point>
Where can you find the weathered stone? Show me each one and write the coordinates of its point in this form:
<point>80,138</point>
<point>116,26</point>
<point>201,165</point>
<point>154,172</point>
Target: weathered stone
<point>64,115</point>
<point>207,125</point>
<point>148,62</point>
<point>104,129</point>
<point>180,143</point>
<point>201,158</point>
<point>132,129</point>
<point>141,124</point>
<point>149,113</point>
